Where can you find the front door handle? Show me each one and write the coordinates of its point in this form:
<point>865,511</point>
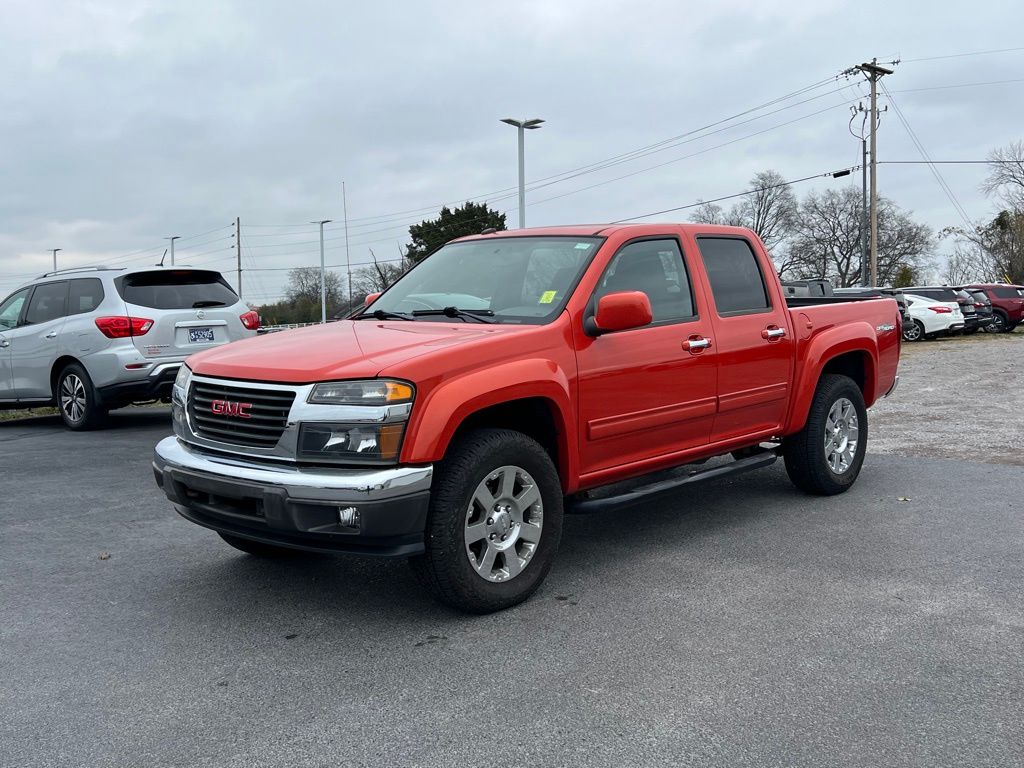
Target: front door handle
<point>4,343</point>
<point>696,344</point>
<point>51,335</point>
<point>773,332</point>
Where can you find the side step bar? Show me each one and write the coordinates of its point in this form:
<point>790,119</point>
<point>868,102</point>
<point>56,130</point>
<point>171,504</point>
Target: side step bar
<point>578,506</point>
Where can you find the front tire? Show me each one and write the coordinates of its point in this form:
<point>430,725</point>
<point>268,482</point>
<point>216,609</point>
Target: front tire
<point>77,399</point>
<point>825,457</point>
<point>494,524</point>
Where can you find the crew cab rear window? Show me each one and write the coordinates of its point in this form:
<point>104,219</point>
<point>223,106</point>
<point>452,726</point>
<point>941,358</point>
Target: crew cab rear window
<point>735,276</point>
<point>1008,292</point>
<point>85,295</point>
<point>176,289</point>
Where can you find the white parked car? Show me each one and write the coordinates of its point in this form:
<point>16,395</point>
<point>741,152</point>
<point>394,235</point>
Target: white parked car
<point>931,317</point>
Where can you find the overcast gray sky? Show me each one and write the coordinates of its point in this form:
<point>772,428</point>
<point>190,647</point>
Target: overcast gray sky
<point>125,122</point>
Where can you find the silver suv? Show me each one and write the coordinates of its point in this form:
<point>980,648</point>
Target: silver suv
<point>95,338</point>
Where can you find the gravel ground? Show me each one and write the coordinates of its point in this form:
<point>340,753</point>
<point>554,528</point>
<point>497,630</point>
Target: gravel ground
<point>960,397</point>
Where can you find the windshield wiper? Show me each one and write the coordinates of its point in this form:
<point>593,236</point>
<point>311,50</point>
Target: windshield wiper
<point>208,303</point>
<point>480,315</point>
<point>383,314</point>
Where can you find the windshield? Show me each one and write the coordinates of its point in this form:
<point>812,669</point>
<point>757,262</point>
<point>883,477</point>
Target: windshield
<point>518,279</point>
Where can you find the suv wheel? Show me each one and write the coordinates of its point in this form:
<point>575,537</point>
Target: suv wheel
<point>999,323</point>
<point>77,399</point>
<point>494,524</point>
<point>914,332</point>
<point>825,457</point>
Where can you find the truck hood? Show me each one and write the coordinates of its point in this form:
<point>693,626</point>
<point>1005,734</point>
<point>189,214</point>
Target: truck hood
<point>346,349</point>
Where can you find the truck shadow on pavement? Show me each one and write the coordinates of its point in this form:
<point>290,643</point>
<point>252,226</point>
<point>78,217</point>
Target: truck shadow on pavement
<point>325,595</point>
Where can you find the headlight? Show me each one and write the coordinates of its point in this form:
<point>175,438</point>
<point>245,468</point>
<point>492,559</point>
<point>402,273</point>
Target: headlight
<point>369,392</point>
<point>180,387</point>
<point>353,443</point>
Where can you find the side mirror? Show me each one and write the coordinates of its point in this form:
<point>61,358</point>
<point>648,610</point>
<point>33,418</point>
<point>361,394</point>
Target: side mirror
<point>371,298</point>
<point>620,312</point>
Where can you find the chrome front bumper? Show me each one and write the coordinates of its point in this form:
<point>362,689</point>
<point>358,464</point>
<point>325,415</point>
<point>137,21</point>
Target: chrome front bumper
<point>299,507</point>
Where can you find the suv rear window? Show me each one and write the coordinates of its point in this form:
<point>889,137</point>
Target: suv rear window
<point>939,294</point>
<point>1007,292</point>
<point>176,289</point>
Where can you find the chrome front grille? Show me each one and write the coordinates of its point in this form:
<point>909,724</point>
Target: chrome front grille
<point>239,415</point>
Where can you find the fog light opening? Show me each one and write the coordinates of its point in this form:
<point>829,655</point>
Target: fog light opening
<point>348,517</point>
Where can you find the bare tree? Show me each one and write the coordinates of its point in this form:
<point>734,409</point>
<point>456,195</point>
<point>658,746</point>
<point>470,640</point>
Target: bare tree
<point>304,287</point>
<point>827,239</point>
<point>1005,179</point>
<point>377,276</point>
<point>968,263</point>
<point>709,213</point>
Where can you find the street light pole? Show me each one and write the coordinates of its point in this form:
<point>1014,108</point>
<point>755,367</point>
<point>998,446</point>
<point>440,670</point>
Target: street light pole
<point>323,281</point>
<point>172,239</point>
<point>522,126</point>
<point>55,257</point>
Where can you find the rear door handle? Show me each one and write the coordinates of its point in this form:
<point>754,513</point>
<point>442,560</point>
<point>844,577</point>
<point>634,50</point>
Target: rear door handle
<point>696,344</point>
<point>4,343</point>
<point>772,332</point>
<point>51,335</point>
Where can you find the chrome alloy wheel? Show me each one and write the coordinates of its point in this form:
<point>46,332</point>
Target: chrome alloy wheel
<point>841,435</point>
<point>72,397</point>
<point>503,523</point>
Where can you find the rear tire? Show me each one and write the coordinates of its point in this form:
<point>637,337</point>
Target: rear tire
<point>494,524</point>
<point>77,399</point>
<point>259,549</point>
<point>825,457</point>
<point>1000,323</point>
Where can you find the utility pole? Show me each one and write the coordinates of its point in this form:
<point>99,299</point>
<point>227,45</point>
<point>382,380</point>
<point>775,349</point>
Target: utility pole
<point>323,282</point>
<point>238,251</point>
<point>172,239</point>
<point>523,126</point>
<point>874,73</point>
<point>864,212</point>
<point>348,259</point>
<point>55,250</point>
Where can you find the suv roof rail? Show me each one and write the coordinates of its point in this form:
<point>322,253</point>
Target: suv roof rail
<point>92,268</point>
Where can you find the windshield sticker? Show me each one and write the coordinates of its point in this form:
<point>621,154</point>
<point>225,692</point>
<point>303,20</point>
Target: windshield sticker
<point>583,246</point>
<point>548,296</point>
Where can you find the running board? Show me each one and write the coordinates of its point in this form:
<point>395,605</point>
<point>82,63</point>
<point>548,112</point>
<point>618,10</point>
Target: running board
<point>578,506</point>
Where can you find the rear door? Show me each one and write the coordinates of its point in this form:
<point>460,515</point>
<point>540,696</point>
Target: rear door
<point>191,310</point>
<point>34,344</point>
<point>648,391</point>
<point>755,346</point>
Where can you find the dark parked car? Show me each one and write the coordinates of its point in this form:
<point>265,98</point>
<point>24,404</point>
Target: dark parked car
<point>1007,304</point>
<point>983,306</point>
<point>974,319</point>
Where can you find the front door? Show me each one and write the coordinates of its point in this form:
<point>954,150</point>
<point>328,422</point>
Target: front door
<point>755,343</point>
<point>35,342</point>
<point>10,313</point>
<point>648,391</point>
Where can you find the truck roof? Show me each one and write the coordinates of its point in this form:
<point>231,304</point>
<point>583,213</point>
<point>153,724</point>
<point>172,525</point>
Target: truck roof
<point>604,230</point>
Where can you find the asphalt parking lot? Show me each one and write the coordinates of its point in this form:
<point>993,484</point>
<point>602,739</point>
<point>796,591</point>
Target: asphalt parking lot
<point>738,624</point>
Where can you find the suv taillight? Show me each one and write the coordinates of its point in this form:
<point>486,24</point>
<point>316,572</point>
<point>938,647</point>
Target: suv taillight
<point>251,320</point>
<point>123,327</point>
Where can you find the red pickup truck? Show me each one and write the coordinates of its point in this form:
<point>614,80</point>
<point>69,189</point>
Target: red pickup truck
<point>513,376</point>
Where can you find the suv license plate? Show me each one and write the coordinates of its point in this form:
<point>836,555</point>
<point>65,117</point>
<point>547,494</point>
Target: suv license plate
<point>199,335</point>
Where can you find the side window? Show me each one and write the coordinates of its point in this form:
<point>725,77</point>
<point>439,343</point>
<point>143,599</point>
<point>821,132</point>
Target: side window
<point>1008,292</point>
<point>735,276</point>
<point>10,310</point>
<point>85,295</point>
<point>655,267</point>
<point>48,302</point>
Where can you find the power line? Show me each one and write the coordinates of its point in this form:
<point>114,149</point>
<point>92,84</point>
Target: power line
<point>947,190</point>
<point>959,85</point>
<point>961,55</point>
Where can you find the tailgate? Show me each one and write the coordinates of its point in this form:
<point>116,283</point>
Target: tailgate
<point>191,310</point>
